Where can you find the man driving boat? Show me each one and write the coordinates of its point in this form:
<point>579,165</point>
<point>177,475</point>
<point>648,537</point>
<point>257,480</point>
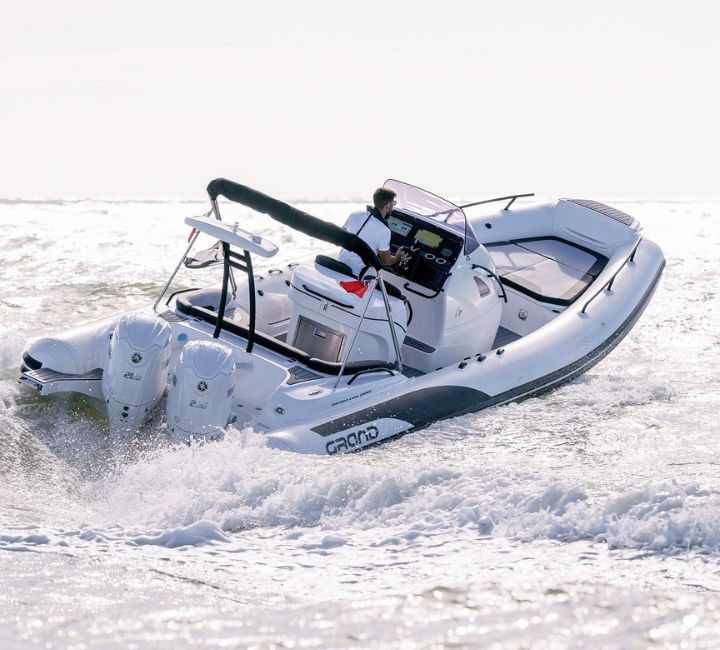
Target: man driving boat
<point>370,226</point>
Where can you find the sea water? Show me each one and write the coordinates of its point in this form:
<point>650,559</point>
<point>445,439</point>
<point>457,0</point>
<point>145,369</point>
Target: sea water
<point>588,517</point>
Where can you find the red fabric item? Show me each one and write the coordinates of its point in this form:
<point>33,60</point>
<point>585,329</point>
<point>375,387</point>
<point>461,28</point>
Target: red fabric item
<point>358,287</point>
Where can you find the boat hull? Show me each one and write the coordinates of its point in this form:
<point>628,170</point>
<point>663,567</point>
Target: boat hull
<point>523,369</point>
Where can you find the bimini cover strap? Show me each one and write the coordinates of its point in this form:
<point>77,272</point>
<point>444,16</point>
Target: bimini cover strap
<point>294,218</point>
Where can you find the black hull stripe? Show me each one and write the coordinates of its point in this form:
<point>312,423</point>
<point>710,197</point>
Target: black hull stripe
<point>419,408</point>
<point>423,407</point>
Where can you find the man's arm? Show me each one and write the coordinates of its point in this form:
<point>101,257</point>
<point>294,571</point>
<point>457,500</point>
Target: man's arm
<point>388,259</point>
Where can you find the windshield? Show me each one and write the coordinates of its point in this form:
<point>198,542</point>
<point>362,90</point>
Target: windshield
<point>436,208</point>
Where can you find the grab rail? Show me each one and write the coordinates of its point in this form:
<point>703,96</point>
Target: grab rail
<point>512,198</point>
<point>175,293</point>
<point>321,296</point>
<point>497,279</point>
<point>368,370</point>
<point>407,287</point>
<point>608,285</point>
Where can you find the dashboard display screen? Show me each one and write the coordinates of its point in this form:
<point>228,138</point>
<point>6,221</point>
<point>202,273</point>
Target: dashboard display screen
<point>429,239</point>
<point>400,226</point>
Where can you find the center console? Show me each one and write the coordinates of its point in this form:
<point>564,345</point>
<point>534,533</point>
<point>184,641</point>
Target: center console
<point>432,250</point>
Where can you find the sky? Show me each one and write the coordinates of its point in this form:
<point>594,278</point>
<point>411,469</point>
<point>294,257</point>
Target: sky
<point>326,99</point>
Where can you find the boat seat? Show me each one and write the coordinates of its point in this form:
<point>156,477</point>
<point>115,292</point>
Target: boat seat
<point>209,299</point>
<point>334,265</point>
<point>344,269</point>
<point>548,269</point>
<point>184,306</point>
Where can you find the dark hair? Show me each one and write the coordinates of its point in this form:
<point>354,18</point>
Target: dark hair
<point>383,195</point>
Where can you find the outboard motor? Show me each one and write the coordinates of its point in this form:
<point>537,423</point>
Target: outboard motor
<point>201,392</point>
<point>135,377</point>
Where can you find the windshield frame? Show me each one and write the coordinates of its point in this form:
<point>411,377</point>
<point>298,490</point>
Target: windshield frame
<point>436,209</point>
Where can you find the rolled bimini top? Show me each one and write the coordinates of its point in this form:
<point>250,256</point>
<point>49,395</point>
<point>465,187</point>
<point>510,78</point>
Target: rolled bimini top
<point>294,218</point>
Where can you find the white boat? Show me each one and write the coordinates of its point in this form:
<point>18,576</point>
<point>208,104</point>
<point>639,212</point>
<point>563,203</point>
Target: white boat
<point>488,310</point>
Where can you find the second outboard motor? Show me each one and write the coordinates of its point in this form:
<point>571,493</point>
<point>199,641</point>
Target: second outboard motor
<point>201,391</point>
<point>135,377</point>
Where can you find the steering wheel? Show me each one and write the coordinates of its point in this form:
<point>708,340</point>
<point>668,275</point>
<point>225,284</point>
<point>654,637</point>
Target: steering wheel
<point>402,268</point>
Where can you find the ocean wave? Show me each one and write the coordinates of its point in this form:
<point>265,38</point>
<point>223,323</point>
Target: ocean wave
<point>242,486</point>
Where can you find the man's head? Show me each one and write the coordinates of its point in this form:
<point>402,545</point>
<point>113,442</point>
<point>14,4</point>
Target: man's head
<point>384,200</point>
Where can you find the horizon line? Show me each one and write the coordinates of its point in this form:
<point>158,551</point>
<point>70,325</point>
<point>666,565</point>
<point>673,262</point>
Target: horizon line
<point>169,199</point>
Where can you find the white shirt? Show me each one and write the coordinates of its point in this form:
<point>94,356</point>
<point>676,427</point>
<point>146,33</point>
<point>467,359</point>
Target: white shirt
<point>375,234</point>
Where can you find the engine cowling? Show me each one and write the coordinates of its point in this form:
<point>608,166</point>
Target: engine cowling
<point>201,392</point>
<point>135,377</point>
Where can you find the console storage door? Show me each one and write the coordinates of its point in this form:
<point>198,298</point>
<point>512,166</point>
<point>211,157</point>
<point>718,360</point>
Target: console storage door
<point>318,340</point>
